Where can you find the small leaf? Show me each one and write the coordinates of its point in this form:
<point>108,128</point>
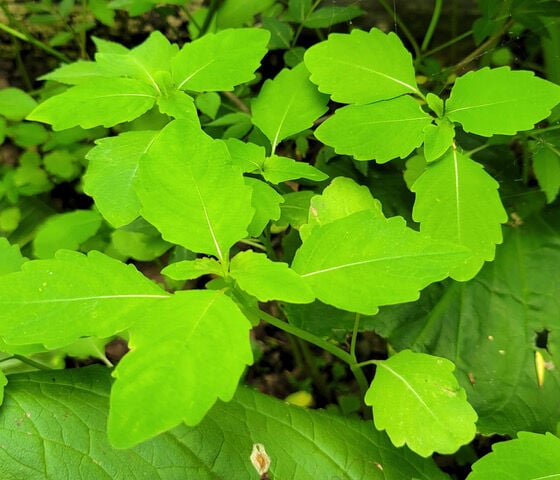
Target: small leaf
<point>65,230</point>
<point>101,101</point>
<point>362,67</point>
<point>191,269</point>
<point>381,131</point>
<point>139,245</point>
<point>287,105</point>
<point>266,202</point>
<point>432,413</point>
<point>15,104</point>
<point>331,15</point>
<point>438,139</point>
<point>295,208</point>
<point>207,364</point>
<point>268,280</point>
<point>178,104</point>
<point>546,165</point>
<point>277,169</point>
<point>281,33</point>
<point>112,168</point>
<point>457,201</point>
<point>530,455</point>
<point>11,259</point>
<point>299,9</point>
<point>361,261</point>
<point>235,14</point>
<point>208,103</point>
<point>47,296</point>
<point>500,101</point>
<point>218,62</point>
<point>191,192</point>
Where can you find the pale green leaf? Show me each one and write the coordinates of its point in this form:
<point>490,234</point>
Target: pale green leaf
<point>112,168</point>
<point>41,440</point>
<point>362,261</point>
<point>48,296</point>
<point>266,202</point>
<point>268,280</point>
<point>191,192</point>
<point>546,165</point>
<point>380,131</point>
<point>11,259</point>
<point>74,73</point>
<point>106,46</point>
<point>191,269</point>
<point>15,104</point>
<point>497,315</point>
<point>340,199</point>
<point>457,201</point>
<point>209,344</point>
<point>331,15</point>
<point>101,101</point>
<point>65,230</point>
<point>431,414</point>
<point>500,101</point>
<point>287,105</point>
<point>438,138</point>
<point>529,456</point>
<point>295,209</point>
<point>277,169</point>
<point>208,103</point>
<point>218,62</point>
<point>246,156</point>
<point>362,67</point>
<point>178,104</point>
<point>139,245</point>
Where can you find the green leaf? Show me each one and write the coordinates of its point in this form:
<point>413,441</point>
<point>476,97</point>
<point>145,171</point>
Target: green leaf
<point>497,315</point>
<point>546,165</point>
<point>191,269</point>
<point>65,230</point>
<point>3,383</point>
<point>277,169</point>
<point>340,199</point>
<point>500,101</point>
<point>287,105</point>
<point>139,245</point>
<point>234,14</point>
<point>47,297</point>
<point>281,33</point>
<point>112,168</point>
<point>218,62</point>
<point>295,208</point>
<point>191,192</point>
<point>268,280</point>
<point>178,104</point>
<point>457,201</point>
<point>266,202</point>
<point>438,139</point>
<point>101,101</point>
<point>208,103</point>
<point>362,67</point>
<point>246,156</point>
<point>380,131</point>
<point>331,15</point>
<point>11,259</point>
<point>207,364</point>
<point>530,455</point>
<point>299,10</point>
<point>361,261</point>
<point>15,104</point>
<point>41,439</point>
<point>432,413</point>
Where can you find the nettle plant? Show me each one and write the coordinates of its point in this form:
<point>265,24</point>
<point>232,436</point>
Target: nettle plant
<point>457,370</point>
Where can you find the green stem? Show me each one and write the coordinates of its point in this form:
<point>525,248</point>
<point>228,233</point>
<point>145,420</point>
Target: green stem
<point>448,44</point>
<point>212,9</point>
<point>354,336</point>
<point>311,365</point>
<point>432,26</point>
<point>402,26</point>
<point>28,38</point>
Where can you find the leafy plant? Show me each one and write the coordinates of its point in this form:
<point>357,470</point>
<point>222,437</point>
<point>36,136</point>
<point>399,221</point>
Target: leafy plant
<point>202,163</point>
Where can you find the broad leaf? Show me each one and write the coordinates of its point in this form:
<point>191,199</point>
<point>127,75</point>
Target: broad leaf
<point>141,246</point>
<point>65,230</point>
<point>360,262</point>
<point>457,201</point>
<point>112,168</point>
<point>48,297</point>
<point>11,259</point>
<point>101,101</point>
<point>530,455</point>
<point>207,337</point>
<point>41,439</point>
<point>218,62</point>
<point>380,131</point>
<point>190,191</point>
<point>287,105</point>
<point>268,280</point>
<point>500,101</point>
<point>500,315</point>
<point>417,400</point>
<point>362,67</point>
<point>191,269</point>
<point>546,165</point>
<point>277,169</point>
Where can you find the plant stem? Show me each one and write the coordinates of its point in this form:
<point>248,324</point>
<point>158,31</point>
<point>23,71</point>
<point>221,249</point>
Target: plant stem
<point>212,9</point>
<point>450,43</point>
<point>402,26</point>
<point>432,26</point>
